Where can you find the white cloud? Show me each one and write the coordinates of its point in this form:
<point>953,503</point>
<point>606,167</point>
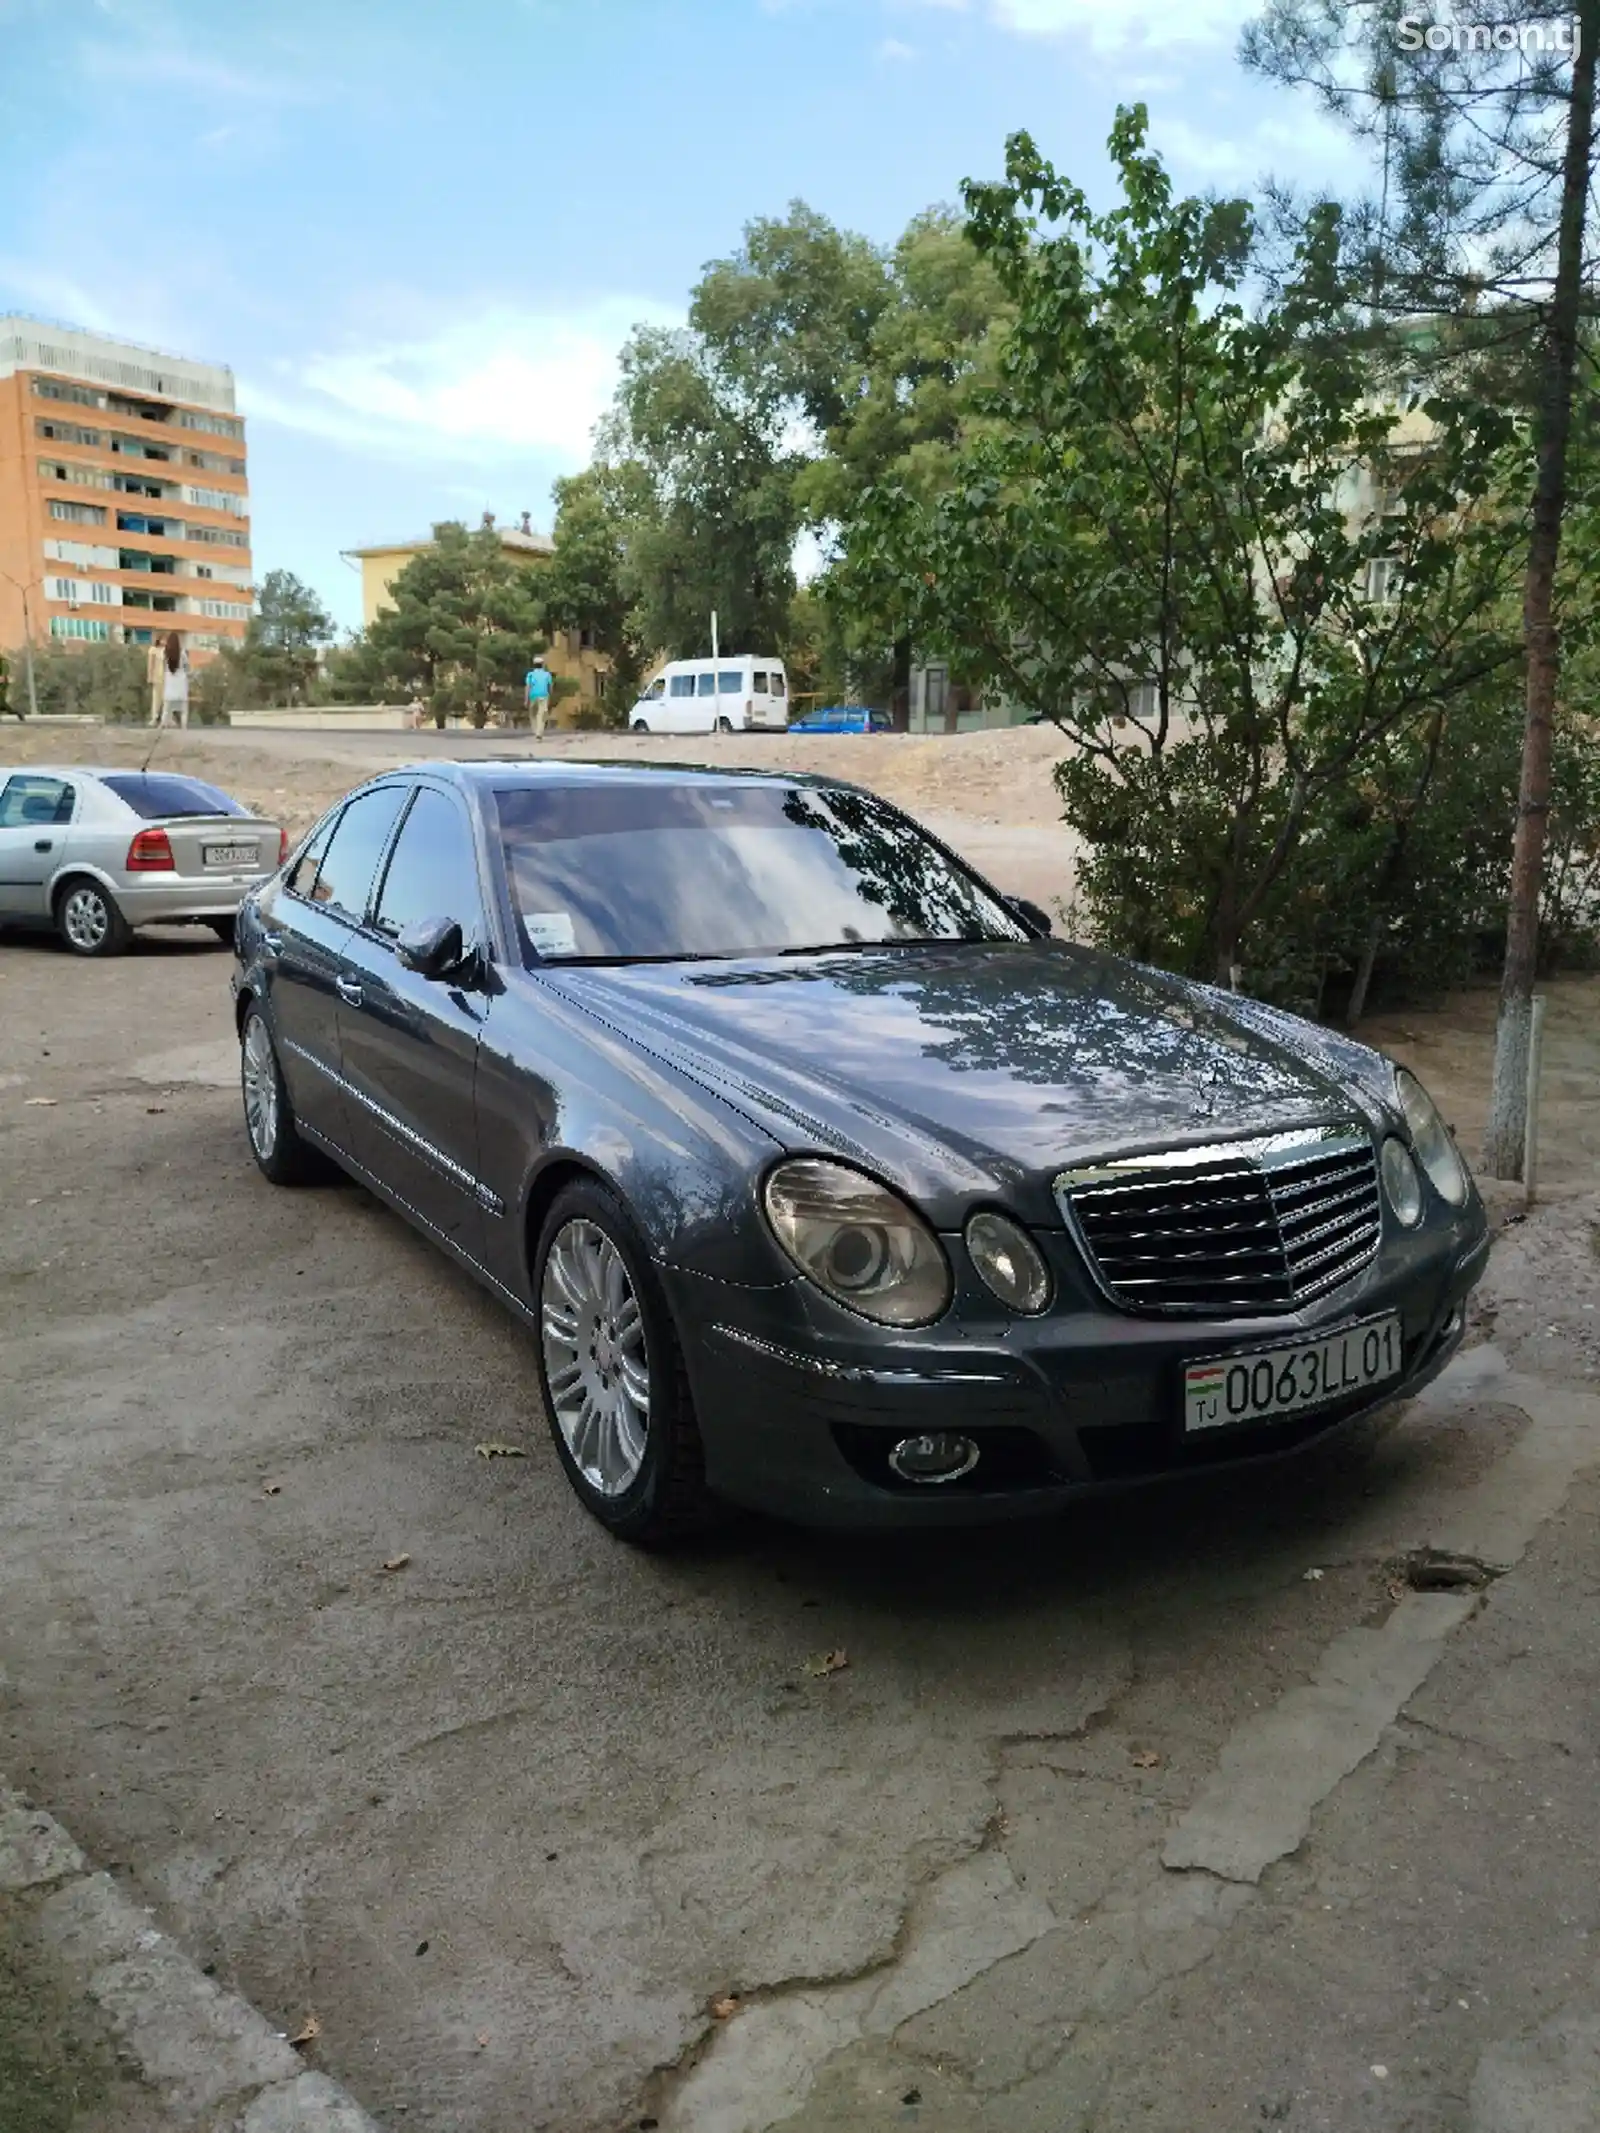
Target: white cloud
<point>1114,26</point>
<point>503,380</point>
<point>1312,146</point>
<point>892,49</point>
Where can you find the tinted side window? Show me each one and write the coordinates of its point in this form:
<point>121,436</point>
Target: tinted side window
<point>728,681</point>
<point>682,685</point>
<point>777,681</point>
<point>344,880</point>
<point>432,872</point>
<point>29,801</point>
<point>758,682</point>
<point>707,684</point>
<point>303,874</point>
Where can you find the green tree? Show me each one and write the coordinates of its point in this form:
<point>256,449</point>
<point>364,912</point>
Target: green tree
<point>1156,538</point>
<point>1486,158</point>
<point>712,519</point>
<point>286,637</point>
<point>99,681</point>
<point>586,584</point>
<point>465,624</point>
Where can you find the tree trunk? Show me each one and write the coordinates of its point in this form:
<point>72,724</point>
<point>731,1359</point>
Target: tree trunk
<point>1504,1144</point>
<point>900,686</point>
<point>1358,992</point>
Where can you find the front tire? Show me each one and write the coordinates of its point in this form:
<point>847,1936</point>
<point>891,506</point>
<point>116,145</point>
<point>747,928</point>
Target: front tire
<point>89,919</point>
<point>616,1393</point>
<point>281,1155</point>
<point>640,726</point>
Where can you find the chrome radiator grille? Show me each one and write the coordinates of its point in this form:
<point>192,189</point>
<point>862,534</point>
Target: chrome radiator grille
<point>1243,1226</point>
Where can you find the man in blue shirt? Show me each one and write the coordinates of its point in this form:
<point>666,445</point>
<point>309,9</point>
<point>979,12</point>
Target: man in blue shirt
<point>538,683</point>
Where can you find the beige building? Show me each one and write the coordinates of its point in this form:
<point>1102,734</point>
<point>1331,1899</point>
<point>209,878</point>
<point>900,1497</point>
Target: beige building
<point>570,656</point>
<point>124,502</point>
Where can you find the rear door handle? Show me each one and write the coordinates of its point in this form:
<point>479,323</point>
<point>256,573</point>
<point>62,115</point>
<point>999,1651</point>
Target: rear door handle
<point>41,844</point>
<point>349,990</point>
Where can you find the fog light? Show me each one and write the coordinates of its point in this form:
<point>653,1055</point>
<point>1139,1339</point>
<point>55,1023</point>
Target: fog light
<point>944,1456</point>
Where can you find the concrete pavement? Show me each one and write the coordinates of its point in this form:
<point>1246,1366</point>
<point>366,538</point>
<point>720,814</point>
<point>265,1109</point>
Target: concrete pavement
<point>549,1835</point>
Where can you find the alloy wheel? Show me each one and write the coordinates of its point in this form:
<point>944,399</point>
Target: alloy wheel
<point>85,919</point>
<point>259,1074</point>
<point>597,1365</point>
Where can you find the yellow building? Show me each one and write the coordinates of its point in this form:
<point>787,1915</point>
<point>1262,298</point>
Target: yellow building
<point>570,655</point>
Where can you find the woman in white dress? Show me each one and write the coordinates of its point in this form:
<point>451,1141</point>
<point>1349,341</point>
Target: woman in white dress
<point>175,682</point>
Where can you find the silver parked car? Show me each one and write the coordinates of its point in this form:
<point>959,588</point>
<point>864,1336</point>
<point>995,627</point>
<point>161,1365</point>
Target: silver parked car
<point>95,853</point>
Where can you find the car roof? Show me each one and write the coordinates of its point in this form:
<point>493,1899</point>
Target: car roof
<point>518,770</point>
<point>97,770</point>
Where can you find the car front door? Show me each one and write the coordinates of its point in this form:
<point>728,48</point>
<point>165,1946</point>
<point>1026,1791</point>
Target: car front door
<point>678,712</point>
<point>35,815</point>
<point>408,1045</point>
<point>307,924</point>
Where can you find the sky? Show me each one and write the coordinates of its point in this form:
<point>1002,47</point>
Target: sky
<point>420,230</point>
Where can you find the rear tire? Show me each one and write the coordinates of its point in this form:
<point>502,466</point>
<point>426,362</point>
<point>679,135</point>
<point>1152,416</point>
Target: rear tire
<point>724,725</point>
<point>282,1157</point>
<point>605,1334</point>
<point>89,919</point>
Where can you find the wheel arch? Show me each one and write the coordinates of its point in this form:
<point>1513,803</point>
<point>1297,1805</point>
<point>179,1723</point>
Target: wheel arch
<point>71,870</point>
<point>547,1184</point>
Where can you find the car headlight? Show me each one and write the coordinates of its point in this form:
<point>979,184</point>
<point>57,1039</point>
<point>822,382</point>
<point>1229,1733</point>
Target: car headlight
<point>1009,1262</point>
<point>858,1241</point>
<point>1431,1137</point>
<point>1402,1187</point>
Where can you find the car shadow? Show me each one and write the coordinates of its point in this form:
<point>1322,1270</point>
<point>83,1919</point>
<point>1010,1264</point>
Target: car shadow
<point>169,942</point>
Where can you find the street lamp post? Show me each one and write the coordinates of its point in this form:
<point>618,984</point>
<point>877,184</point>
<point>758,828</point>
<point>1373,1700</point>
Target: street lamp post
<point>27,643</point>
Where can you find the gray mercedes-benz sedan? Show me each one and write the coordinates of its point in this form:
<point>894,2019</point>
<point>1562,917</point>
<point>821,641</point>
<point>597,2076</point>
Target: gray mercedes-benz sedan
<point>826,1180</point>
<point>96,853</point>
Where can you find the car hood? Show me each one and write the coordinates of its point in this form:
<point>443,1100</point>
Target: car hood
<point>975,1070</point>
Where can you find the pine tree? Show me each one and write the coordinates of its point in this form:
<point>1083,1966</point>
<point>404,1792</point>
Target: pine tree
<point>1483,132</point>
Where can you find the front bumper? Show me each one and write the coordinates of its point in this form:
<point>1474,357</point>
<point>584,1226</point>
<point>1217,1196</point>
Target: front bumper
<point>167,899</point>
<point>799,1404</point>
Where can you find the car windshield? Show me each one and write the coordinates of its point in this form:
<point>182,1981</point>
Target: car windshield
<point>157,798</point>
<point>633,872</point>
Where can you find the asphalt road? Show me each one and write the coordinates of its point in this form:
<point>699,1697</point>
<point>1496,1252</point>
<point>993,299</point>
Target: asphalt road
<point>390,1733</point>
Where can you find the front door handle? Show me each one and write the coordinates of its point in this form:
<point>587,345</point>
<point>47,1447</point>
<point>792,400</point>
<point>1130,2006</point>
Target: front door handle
<point>41,844</point>
<point>349,990</point>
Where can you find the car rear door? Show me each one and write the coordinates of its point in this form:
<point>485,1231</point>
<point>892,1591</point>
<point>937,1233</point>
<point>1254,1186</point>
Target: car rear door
<point>408,1045</point>
<point>36,812</point>
<point>307,924</point>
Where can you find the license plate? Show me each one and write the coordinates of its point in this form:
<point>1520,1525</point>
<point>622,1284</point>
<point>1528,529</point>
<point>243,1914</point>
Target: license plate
<point>1268,1382</point>
<point>229,855</point>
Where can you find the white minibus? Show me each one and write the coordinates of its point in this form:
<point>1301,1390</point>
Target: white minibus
<point>743,693</point>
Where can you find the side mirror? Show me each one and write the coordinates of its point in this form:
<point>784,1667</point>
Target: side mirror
<point>1033,916</point>
<point>433,947</point>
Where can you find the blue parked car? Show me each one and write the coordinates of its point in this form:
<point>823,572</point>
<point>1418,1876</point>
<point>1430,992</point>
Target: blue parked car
<point>842,718</point>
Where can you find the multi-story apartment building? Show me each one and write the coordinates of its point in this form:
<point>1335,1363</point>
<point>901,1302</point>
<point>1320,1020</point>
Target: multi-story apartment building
<point>124,503</point>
